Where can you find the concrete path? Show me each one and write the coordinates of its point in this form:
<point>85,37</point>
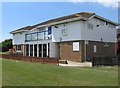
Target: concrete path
<point>77,64</point>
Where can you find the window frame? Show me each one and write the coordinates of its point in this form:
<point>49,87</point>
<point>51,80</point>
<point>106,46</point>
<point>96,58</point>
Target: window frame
<point>76,46</point>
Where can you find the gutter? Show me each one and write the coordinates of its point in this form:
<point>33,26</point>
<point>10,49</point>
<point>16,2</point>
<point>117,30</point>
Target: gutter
<point>99,17</point>
<point>14,32</point>
<point>64,21</point>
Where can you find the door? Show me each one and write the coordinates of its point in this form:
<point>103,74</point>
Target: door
<point>27,50</point>
<point>44,50</point>
<point>31,50</point>
<point>40,50</point>
<point>35,50</point>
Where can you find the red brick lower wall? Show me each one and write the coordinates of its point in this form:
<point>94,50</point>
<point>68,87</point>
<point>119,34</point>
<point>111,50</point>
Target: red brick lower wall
<point>31,59</point>
<point>67,53</point>
<point>101,49</point>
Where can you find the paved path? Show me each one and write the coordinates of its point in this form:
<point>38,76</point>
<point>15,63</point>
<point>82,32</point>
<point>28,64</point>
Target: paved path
<point>77,64</point>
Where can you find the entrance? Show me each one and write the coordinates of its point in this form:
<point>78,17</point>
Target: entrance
<point>44,50</point>
<point>40,50</point>
<point>27,50</point>
<point>35,50</point>
<point>31,50</point>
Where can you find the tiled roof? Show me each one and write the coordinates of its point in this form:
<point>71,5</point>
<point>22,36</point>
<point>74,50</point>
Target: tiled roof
<point>23,29</point>
<point>82,14</point>
<point>85,15</point>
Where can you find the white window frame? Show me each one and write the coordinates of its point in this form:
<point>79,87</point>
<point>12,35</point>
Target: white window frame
<point>90,26</point>
<point>64,32</point>
<point>76,46</point>
<point>94,48</point>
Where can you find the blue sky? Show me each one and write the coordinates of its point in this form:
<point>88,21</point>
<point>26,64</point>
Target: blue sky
<point>19,14</point>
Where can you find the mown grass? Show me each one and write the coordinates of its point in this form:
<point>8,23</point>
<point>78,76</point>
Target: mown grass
<point>35,74</point>
<point>3,52</point>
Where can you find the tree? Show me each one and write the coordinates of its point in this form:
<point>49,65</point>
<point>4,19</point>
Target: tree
<point>6,45</point>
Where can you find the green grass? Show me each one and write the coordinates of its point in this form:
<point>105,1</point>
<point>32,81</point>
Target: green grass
<point>3,52</point>
<point>35,74</point>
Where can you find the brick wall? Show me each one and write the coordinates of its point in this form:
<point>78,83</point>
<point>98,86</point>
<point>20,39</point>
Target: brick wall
<point>101,49</point>
<point>67,53</point>
<point>28,58</point>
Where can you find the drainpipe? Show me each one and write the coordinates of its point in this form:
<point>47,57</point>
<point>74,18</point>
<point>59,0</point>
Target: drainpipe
<point>85,51</point>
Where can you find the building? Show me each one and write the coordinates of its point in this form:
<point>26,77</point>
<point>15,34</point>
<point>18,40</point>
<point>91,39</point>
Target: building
<point>78,37</point>
<point>118,41</point>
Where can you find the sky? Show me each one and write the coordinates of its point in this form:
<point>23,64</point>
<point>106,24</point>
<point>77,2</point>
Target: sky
<point>19,14</point>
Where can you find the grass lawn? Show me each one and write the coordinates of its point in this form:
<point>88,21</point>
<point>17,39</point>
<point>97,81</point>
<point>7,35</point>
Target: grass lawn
<point>3,52</point>
<point>35,74</point>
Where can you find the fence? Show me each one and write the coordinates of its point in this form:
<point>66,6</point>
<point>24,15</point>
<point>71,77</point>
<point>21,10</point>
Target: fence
<point>31,59</point>
<point>105,61</point>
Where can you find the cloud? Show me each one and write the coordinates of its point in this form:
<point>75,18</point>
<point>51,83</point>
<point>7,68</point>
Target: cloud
<point>106,3</point>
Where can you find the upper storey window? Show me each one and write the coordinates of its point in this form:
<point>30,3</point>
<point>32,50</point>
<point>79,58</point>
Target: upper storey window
<point>49,30</point>
<point>111,26</point>
<point>43,34</point>
<point>64,32</point>
<point>28,37</point>
<point>40,29</point>
<point>102,23</point>
<point>34,36</point>
<point>90,26</point>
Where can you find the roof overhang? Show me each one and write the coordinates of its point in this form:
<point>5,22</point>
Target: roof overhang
<point>64,21</point>
<point>104,19</point>
<point>19,31</point>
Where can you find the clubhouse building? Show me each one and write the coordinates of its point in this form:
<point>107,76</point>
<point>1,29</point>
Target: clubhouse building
<point>77,37</point>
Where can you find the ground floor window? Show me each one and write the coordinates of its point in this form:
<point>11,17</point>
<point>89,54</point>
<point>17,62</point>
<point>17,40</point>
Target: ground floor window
<point>18,47</point>
<point>31,50</point>
<point>27,50</point>
<point>44,50</point>
<point>95,48</point>
<point>40,50</point>
<point>76,46</point>
<point>35,50</point>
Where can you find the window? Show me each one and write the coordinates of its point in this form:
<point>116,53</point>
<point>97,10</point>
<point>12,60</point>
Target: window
<point>18,47</point>
<point>102,23</point>
<point>111,26</point>
<point>34,36</point>
<point>28,37</point>
<point>41,36</point>
<point>46,35</point>
<point>95,49</point>
<point>49,30</point>
<point>90,26</point>
<point>76,46</point>
<point>40,29</point>
<point>64,32</point>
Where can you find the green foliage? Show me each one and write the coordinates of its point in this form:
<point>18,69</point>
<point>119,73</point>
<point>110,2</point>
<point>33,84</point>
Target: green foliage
<point>6,45</point>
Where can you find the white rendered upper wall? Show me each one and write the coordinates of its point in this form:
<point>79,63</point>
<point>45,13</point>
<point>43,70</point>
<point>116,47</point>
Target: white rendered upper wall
<point>101,31</point>
<point>77,30</point>
<point>18,38</point>
<point>72,29</point>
